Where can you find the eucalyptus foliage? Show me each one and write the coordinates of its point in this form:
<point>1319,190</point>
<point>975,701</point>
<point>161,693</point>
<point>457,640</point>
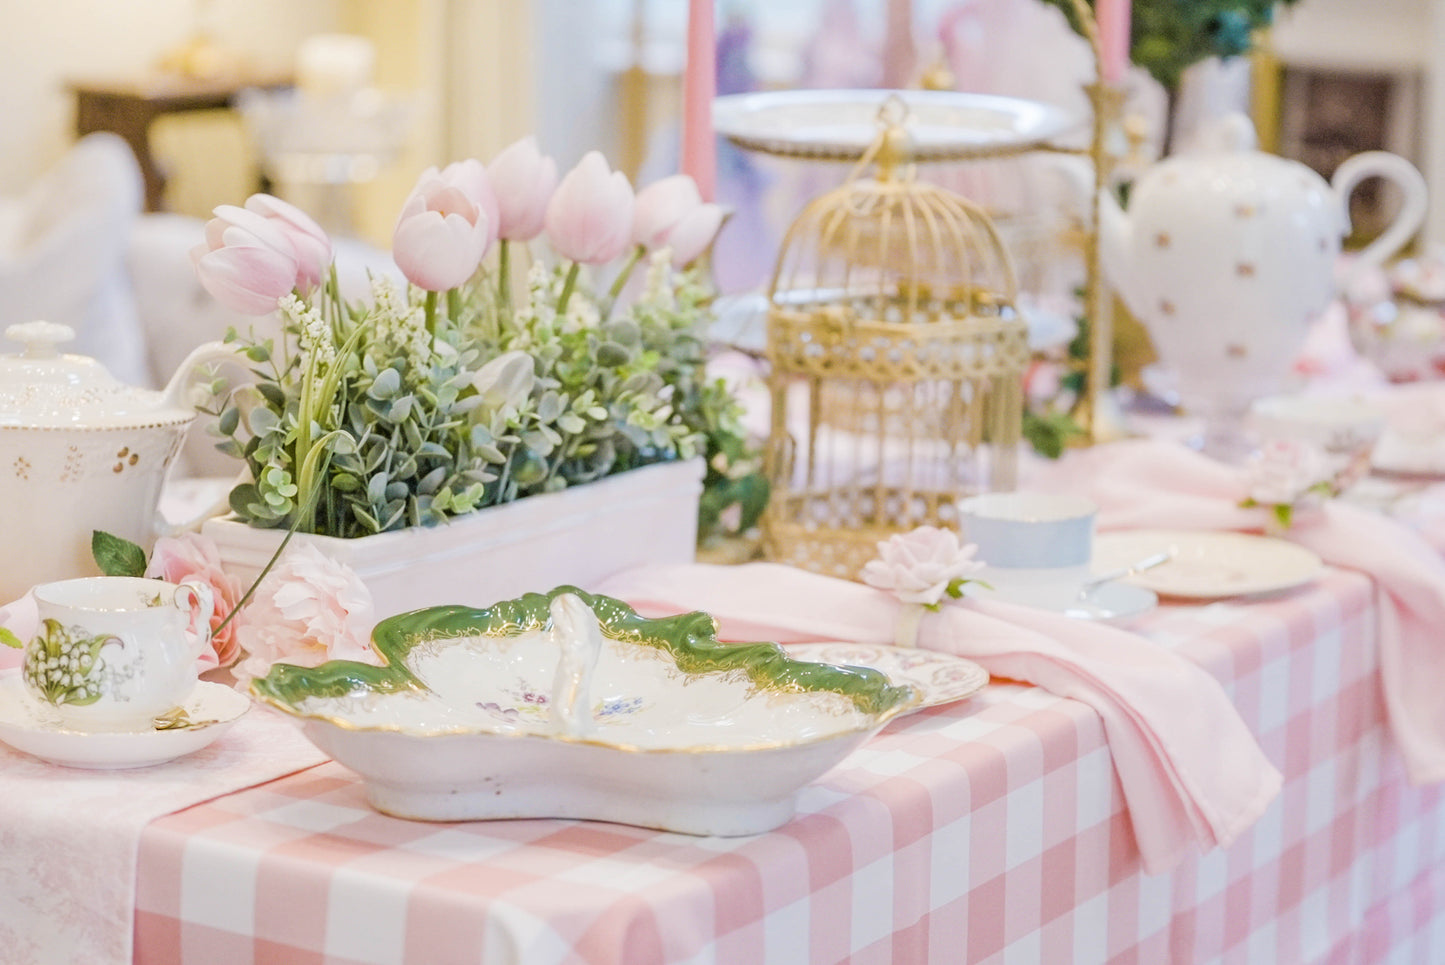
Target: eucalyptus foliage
<point>400,411</point>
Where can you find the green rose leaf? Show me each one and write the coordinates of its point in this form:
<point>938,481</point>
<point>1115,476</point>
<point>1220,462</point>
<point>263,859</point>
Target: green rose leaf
<point>116,556</point>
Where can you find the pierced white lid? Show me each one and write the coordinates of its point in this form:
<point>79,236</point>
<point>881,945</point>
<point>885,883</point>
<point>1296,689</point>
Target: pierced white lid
<point>43,388</point>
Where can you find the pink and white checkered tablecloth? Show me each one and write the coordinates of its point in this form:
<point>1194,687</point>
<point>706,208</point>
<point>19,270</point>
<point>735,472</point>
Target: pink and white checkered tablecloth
<point>989,831</point>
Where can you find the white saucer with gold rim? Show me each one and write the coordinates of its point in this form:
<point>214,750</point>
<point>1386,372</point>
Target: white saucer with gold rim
<point>33,727</point>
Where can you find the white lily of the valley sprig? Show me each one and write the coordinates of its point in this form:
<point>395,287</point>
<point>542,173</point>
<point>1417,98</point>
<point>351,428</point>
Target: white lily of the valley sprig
<point>1288,475</point>
<point>920,568</point>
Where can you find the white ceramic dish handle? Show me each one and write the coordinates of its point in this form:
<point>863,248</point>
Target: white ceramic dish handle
<point>578,638</point>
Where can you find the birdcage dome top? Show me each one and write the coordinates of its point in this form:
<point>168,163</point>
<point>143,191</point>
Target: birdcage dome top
<point>891,248</point>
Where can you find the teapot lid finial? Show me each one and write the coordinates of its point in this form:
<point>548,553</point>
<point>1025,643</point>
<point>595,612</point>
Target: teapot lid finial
<point>40,338</point>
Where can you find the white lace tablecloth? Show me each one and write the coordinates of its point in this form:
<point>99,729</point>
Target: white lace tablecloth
<point>69,837</point>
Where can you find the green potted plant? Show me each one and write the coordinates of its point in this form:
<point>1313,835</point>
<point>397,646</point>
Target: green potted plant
<point>545,357</point>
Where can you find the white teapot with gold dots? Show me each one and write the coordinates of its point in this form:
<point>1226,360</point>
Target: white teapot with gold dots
<point>1227,254</point>
<point>79,452</point>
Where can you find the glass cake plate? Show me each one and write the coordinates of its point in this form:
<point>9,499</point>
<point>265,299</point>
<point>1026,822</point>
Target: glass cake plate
<point>571,705</point>
<point>841,124</point>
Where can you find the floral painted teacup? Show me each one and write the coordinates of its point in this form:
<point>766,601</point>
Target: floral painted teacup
<point>113,653</point>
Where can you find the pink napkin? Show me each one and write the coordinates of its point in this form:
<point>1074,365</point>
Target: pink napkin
<point>1150,483</point>
<point>1191,772</point>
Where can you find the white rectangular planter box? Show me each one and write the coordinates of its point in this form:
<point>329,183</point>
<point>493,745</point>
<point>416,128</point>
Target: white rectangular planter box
<point>579,536</point>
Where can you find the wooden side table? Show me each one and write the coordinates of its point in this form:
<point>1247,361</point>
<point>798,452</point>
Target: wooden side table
<point>128,107</point>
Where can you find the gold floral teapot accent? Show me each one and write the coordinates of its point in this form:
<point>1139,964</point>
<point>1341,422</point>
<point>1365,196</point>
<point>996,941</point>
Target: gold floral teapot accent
<point>80,451</point>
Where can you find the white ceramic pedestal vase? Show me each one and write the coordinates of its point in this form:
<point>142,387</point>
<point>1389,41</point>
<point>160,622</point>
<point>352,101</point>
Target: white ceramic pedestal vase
<point>577,536</point>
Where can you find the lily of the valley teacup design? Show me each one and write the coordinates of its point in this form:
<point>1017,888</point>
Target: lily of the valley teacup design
<point>114,652</point>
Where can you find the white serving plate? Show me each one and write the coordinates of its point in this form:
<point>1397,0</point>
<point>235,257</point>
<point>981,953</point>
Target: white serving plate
<point>467,719</point>
<point>30,726</point>
<point>941,678</point>
<point>841,124</point>
<point>1399,454</point>
<point>1209,565</point>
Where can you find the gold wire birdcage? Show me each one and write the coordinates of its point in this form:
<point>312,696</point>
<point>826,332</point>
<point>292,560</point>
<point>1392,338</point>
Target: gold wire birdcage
<point>896,358</point>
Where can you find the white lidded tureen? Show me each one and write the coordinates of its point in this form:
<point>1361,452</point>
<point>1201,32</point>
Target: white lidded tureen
<point>79,451</point>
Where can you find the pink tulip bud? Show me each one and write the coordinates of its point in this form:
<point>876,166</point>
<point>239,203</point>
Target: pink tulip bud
<point>692,235</point>
<point>589,218</point>
<point>445,226</point>
<point>313,247</point>
<point>471,176</point>
<point>523,180</point>
<point>659,208</point>
<point>247,261</point>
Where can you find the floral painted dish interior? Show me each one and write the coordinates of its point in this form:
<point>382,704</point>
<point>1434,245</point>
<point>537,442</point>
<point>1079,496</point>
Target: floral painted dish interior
<point>572,705</point>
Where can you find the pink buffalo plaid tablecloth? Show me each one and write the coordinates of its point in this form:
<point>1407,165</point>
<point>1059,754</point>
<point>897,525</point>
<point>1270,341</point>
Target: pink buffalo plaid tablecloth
<point>988,831</point>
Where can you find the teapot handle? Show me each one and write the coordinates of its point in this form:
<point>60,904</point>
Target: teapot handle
<point>174,395</point>
<point>209,352</point>
<point>1411,182</point>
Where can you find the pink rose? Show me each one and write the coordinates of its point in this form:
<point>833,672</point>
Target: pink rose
<point>312,246</point>
<point>920,566</point>
<point>191,556</point>
<point>446,226</point>
<point>589,218</point>
<point>308,610</point>
<point>1285,471</point>
<point>247,262</point>
<point>523,180</point>
<point>671,212</point>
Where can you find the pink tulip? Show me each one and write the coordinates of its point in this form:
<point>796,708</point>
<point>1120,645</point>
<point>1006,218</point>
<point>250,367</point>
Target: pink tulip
<point>660,206</point>
<point>247,261</point>
<point>589,219</point>
<point>446,226</point>
<point>671,212</point>
<point>524,181</point>
<point>692,235</point>
<point>313,247</point>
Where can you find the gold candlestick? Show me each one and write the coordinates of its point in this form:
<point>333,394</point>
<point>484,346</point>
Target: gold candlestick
<point>1108,106</point>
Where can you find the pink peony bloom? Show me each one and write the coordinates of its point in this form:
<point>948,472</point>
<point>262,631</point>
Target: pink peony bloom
<point>247,261</point>
<point>191,556</point>
<point>446,226</point>
<point>523,180</point>
<point>308,610</point>
<point>589,219</point>
<point>919,566</point>
<point>312,246</point>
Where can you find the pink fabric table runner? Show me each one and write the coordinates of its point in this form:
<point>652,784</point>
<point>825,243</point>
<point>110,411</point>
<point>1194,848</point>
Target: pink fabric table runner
<point>988,831</point>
